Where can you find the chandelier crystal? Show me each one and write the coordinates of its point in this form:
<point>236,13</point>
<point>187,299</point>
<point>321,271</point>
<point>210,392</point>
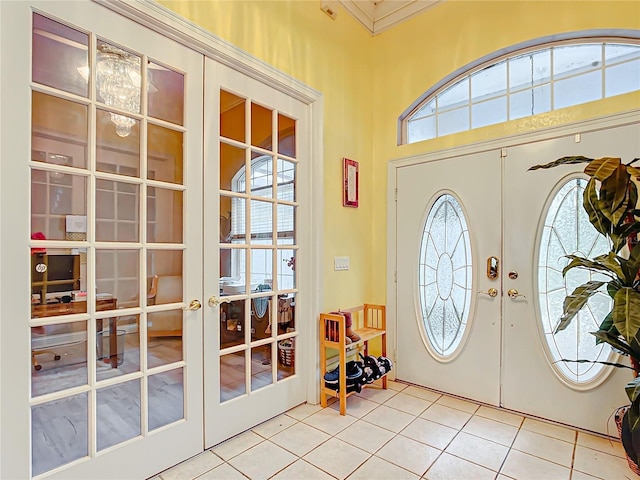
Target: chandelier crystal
<point>118,81</point>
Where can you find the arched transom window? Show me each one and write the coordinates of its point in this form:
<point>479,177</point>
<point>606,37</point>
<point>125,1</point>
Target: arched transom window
<point>526,82</point>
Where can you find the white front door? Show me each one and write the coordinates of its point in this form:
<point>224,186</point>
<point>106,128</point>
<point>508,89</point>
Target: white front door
<point>528,221</point>
<point>101,149</point>
<point>538,232</point>
<point>457,350</point>
<point>256,212</point>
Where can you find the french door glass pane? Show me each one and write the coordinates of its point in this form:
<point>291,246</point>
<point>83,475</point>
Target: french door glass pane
<point>261,222</point>
<point>60,56</point>
<point>286,136</point>
<point>117,275</point>
<point>60,133</point>
<point>165,99</point>
<point>261,362</point>
<point>164,337</point>
<point>59,364</point>
<point>286,180</point>
<point>166,398</point>
<point>231,161</point>
<point>286,263</point>
<point>117,211</point>
<point>261,175</point>
<point>261,126</point>
<point>165,152</point>
<point>232,377</point>
<point>117,346</point>
<point>118,413</point>
<point>232,116</point>
<point>231,324</point>
<point>116,154</point>
<point>168,224</point>
<point>63,423</point>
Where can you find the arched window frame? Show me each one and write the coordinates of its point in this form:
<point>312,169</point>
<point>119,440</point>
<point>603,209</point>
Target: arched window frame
<point>627,37</point>
<point>286,225</point>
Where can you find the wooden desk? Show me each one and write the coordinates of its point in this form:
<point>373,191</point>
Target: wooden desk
<point>80,306</point>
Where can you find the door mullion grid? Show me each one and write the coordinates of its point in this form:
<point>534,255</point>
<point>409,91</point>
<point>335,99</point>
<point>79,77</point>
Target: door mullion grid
<point>91,252</point>
<point>144,199</point>
<point>275,147</point>
<point>247,251</point>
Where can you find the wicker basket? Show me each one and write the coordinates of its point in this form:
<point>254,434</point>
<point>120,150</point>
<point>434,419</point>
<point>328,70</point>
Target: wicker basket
<point>286,352</point>
<point>619,414</point>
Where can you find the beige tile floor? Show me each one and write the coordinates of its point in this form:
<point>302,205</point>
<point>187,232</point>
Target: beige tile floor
<point>407,432</point>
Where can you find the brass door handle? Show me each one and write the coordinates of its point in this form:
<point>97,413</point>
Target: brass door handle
<point>215,301</point>
<point>492,292</point>
<point>193,305</point>
<point>513,293</point>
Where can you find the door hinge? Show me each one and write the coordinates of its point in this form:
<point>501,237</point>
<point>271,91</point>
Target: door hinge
<point>503,152</point>
<point>395,277</point>
<point>395,195</point>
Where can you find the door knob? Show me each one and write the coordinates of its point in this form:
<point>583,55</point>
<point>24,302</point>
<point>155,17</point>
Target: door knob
<point>513,293</point>
<point>215,301</point>
<point>492,292</point>
<point>194,305</point>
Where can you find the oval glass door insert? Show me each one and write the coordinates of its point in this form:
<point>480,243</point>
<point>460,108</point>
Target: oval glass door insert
<point>567,231</point>
<point>445,276</point>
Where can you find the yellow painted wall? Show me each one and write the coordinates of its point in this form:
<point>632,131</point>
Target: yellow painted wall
<point>367,82</point>
<point>335,58</point>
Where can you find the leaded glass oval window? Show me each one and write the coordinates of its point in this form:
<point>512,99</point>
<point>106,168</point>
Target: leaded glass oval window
<point>445,275</point>
<point>567,231</point>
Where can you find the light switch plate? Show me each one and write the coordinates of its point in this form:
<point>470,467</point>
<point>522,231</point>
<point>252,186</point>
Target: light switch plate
<point>341,263</point>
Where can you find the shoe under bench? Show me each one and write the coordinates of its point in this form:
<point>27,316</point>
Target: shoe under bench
<point>369,321</point>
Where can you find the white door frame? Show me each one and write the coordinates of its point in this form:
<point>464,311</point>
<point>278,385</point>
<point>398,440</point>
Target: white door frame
<point>615,120</point>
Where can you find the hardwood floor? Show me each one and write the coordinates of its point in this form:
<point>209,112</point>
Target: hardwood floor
<point>60,427</point>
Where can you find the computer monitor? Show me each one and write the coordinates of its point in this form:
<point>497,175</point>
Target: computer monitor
<point>54,275</point>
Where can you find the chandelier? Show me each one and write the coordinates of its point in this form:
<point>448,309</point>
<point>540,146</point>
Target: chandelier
<point>118,81</point>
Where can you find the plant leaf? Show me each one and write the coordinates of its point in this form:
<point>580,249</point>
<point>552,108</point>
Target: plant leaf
<point>574,302</point>
<point>626,312</point>
<point>602,168</point>
<point>591,204</point>
<point>634,171</point>
<point>595,264</point>
<point>610,262</point>
<point>614,194</point>
<point>634,415</point>
<point>563,161</point>
<point>614,341</point>
<point>611,364</point>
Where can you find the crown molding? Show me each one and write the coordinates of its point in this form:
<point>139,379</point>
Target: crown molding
<point>385,14</point>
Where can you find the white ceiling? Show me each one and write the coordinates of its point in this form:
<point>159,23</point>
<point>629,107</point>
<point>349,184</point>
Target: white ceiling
<point>380,15</point>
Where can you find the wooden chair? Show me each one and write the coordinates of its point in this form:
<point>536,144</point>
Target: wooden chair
<point>165,289</point>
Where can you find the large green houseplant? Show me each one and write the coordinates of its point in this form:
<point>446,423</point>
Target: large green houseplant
<point>611,201</point>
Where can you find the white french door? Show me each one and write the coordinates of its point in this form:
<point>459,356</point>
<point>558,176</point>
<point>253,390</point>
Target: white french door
<point>101,130</point>
<point>255,331</point>
<point>494,348</point>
